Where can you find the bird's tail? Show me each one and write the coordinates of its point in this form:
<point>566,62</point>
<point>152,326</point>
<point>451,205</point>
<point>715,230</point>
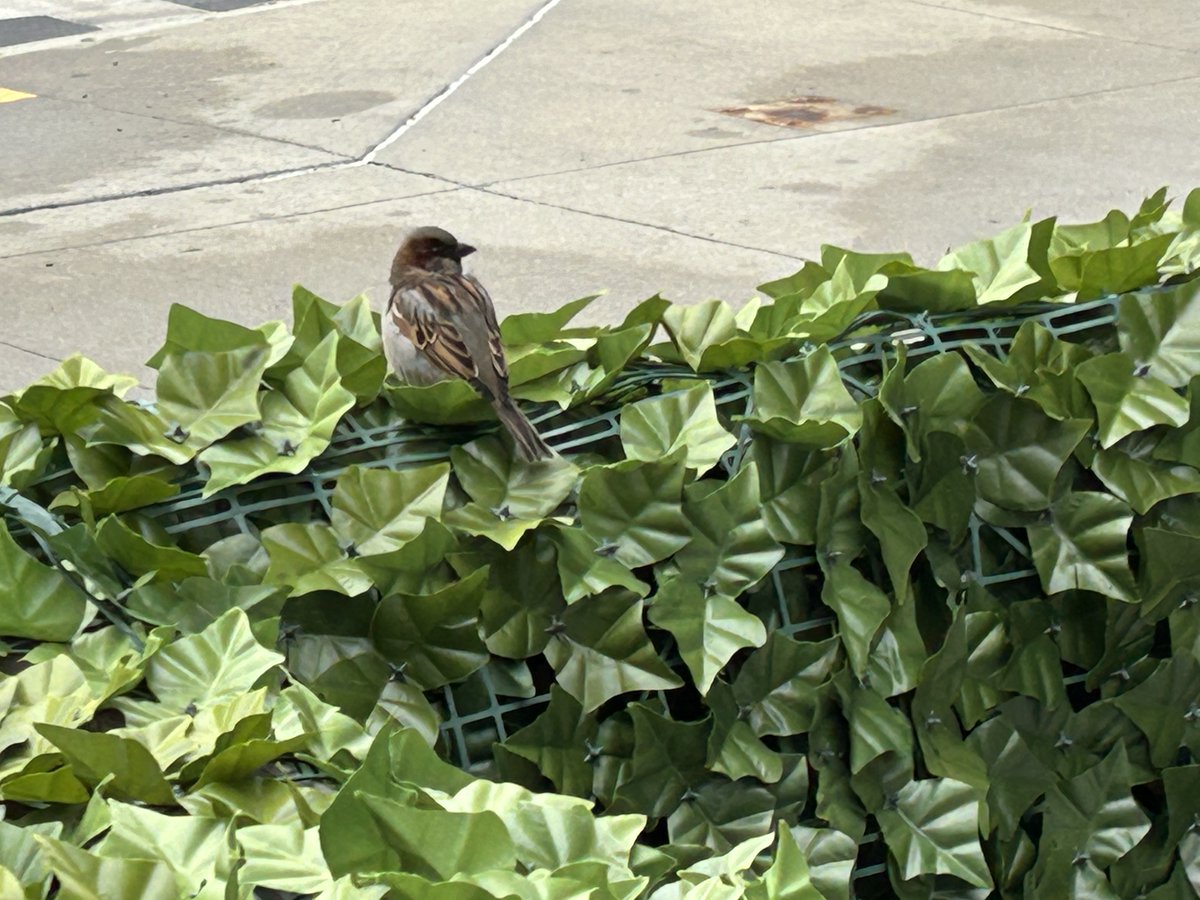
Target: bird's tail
<point>530,445</point>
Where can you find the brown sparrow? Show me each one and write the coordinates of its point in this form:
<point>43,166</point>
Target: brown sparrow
<point>440,322</point>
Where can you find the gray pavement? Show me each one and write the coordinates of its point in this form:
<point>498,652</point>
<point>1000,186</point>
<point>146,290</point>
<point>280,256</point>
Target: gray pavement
<point>180,153</point>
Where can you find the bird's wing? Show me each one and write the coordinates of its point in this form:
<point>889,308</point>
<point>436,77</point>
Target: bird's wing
<point>480,296</point>
<point>424,310</point>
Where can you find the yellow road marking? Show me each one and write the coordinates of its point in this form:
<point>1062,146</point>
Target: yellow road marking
<point>7,95</point>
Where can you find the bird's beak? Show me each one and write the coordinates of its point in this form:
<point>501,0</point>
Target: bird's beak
<point>465,250</point>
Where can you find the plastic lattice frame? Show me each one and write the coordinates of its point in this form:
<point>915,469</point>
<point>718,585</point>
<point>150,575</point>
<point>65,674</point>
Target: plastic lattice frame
<point>488,706</point>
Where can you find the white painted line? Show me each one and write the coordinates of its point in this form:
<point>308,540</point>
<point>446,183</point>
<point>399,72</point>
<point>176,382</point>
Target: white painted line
<point>370,156</point>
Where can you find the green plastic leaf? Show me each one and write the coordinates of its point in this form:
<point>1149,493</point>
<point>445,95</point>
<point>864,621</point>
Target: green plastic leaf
<point>297,423</point>
<point>307,557</point>
<point>1164,707</point>
<point>540,327</point>
<point>778,683</point>
<point>36,601</point>
<point>201,669</point>
<point>360,359</point>
<point>1016,452</point>
<point>83,874</point>
<point>861,608</point>
<point>634,508</point>
<point>94,756</point>
<point>1128,399</point>
<point>284,858</point>
<point>695,328</point>
<point>733,747</point>
<point>379,510</point>
<point>202,397</point>
<point>709,629</point>
<point>1159,330</point>
<point>788,878</point>
<point>1011,267</point>
<point>654,428</point>
<point>146,553</point>
<point>668,757</point>
<point>437,844</point>
<point>732,548</point>
<point>933,830</point>
<point>194,847</point>
<point>584,572</point>
<point>190,331</point>
<point>433,637</point>
<point>804,402</point>
<point>557,742</point>
<point>1091,815</point>
<point>1084,546</point>
<point>602,650</point>
<point>1132,474</point>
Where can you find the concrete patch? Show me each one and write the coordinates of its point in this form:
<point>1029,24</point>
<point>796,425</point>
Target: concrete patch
<point>24,29</point>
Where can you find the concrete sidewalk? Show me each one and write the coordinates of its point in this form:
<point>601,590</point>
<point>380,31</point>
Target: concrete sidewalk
<point>175,154</point>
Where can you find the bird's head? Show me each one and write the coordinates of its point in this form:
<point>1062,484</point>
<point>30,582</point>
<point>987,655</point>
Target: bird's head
<point>430,248</point>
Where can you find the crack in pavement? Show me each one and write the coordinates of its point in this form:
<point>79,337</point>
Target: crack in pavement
<point>1062,28</point>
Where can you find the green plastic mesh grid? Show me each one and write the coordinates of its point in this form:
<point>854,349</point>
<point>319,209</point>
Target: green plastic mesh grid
<point>489,706</point>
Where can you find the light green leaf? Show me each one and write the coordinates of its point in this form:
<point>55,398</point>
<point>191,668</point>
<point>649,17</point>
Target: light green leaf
<point>437,844</point>
<point>1084,546</point>
<point>88,876</point>
<point>284,858</point>
<point>584,572</point>
<point>194,847</point>
<point>695,328</point>
<point>1159,330</point>
<point>36,601</point>
<point>201,669</point>
<point>298,421</point>
<point>788,877</point>
<point>203,396</point>
<point>94,756</point>
<point>379,510</point>
<point>146,553</point>
<point>803,401</point>
<point>633,509</point>
<point>602,650</point>
<point>190,331</point>
<point>541,327</point>
<point>508,486</point>
<point>1128,399</point>
<point>306,558</point>
<point>934,830</point>
<point>654,428</point>
<point>708,629</point>
<point>1011,267</point>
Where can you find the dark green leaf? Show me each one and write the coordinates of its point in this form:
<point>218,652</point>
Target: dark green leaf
<point>1084,546</point>
<point>433,637</point>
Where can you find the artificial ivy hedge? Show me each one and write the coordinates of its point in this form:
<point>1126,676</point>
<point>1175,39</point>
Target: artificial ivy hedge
<point>938,620</point>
